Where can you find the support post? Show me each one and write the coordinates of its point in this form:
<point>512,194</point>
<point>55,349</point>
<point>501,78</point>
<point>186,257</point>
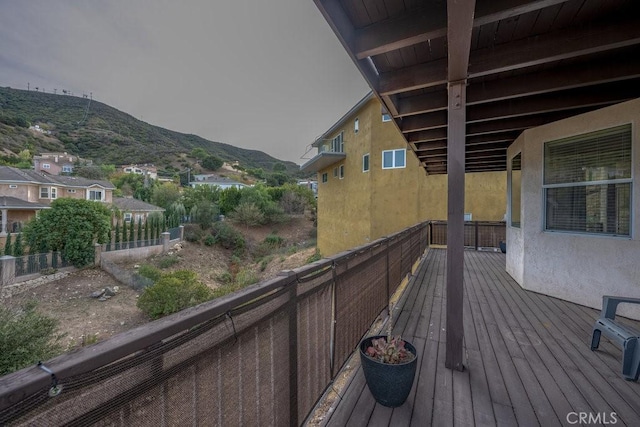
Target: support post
<point>455,223</point>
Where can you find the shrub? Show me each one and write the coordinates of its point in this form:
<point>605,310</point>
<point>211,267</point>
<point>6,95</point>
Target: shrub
<point>209,240</point>
<point>26,337</point>
<point>246,277</point>
<point>315,257</point>
<point>274,241</point>
<point>149,271</point>
<point>192,233</point>
<point>168,261</point>
<point>172,293</point>
<point>228,237</point>
<point>249,214</point>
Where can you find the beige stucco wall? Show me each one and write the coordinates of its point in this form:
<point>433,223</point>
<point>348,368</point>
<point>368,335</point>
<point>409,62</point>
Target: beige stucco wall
<point>365,206</point>
<point>574,267</point>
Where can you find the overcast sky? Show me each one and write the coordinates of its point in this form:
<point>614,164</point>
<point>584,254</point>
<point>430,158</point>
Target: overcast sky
<point>259,74</point>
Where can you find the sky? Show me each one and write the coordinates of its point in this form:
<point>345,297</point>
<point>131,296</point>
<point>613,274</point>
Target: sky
<point>268,75</point>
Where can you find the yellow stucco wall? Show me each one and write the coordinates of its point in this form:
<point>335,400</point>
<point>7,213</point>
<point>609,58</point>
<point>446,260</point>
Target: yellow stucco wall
<point>365,206</point>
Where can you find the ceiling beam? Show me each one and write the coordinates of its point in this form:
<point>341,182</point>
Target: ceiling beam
<point>571,77</point>
<point>553,46</point>
<point>424,24</point>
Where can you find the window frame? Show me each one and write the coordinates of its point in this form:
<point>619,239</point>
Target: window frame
<point>126,217</point>
<point>53,193</point>
<point>46,166</point>
<point>341,173</point>
<point>337,143</point>
<point>512,223</point>
<point>386,117</point>
<point>90,191</point>
<point>394,163</point>
<point>67,169</point>
<point>356,125</point>
<point>44,193</point>
<point>582,141</point>
<point>366,163</point>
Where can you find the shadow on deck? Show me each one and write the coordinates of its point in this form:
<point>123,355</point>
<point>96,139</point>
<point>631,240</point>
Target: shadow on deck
<point>527,358</point>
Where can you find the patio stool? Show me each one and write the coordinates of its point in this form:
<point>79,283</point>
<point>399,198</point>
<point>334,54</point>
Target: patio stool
<point>625,336</point>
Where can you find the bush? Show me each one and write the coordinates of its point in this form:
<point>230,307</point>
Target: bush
<point>26,337</point>
<point>249,214</point>
<point>315,257</point>
<point>150,272</point>
<point>168,261</point>
<point>192,233</point>
<point>209,240</point>
<point>245,277</point>
<point>228,237</point>
<point>172,293</point>
<point>274,241</point>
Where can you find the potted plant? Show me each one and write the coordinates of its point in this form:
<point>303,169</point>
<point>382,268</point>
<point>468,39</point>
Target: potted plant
<point>389,366</point>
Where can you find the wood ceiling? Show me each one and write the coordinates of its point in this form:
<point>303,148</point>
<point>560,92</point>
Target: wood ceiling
<point>529,63</point>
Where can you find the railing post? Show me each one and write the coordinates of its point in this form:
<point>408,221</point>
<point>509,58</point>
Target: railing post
<point>476,230</point>
<point>181,233</point>
<point>97,254</point>
<point>7,270</point>
<point>293,354</point>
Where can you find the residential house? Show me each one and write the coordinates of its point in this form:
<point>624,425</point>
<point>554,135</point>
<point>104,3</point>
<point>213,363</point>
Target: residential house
<point>25,192</point>
<point>57,163</point>
<point>134,210</point>
<point>149,171</point>
<point>215,180</point>
<point>370,185</point>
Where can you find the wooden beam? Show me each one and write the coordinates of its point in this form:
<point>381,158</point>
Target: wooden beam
<point>519,123</point>
<point>542,49</point>
<point>423,24</point>
<point>459,30</point>
<point>428,135</point>
<point>571,77</point>
<point>427,121</point>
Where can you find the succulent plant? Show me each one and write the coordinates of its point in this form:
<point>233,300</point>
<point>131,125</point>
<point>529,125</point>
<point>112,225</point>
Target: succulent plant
<point>389,350</point>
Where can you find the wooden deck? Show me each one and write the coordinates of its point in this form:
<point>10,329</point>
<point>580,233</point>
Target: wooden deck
<point>527,358</point>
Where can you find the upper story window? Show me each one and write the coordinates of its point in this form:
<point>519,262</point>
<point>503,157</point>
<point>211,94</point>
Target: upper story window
<point>365,163</point>
<point>95,195</point>
<point>67,169</point>
<point>54,193</point>
<point>71,190</point>
<point>341,171</point>
<point>46,166</point>
<point>393,159</point>
<point>335,172</point>
<point>356,126</point>
<point>587,183</point>
<point>44,192</point>
<point>13,185</point>
<point>386,117</point>
<point>337,143</point>
<point>127,217</point>
<point>325,177</point>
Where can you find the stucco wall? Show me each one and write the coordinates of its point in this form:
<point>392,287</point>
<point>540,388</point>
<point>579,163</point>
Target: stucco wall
<point>365,206</point>
<point>575,267</point>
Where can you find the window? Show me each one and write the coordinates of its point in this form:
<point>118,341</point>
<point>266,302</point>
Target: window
<point>46,166</point>
<point>44,192</point>
<point>71,190</point>
<point>516,185</point>
<point>127,217</point>
<point>335,172</point>
<point>325,177</point>
<point>341,171</point>
<point>393,159</point>
<point>95,195</point>
<point>67,169</point>
<point>356,126</point>
<point>365,163</point>
<point>337,143</point>
<point>386,117</point>
<point>54,193</point>
<point>587,183</point>
<point>13,186</point>
<point>468,217</point>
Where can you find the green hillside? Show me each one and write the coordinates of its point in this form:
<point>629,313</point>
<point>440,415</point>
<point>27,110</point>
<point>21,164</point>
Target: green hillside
<point>96,131</point>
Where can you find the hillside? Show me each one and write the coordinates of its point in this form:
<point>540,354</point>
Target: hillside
<point>96,131</point>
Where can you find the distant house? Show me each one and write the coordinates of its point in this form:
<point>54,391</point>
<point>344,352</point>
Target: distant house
<point>57,163</point>
<point>134,210</point>
<point>25,192</point>
<point>146,170</point>
<point>215,180</point>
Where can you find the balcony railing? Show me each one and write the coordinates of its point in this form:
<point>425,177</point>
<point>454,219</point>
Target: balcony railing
<point>477,234</point>
<point>261,356</point>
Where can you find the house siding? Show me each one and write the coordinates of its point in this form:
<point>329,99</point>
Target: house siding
<point>364,207</point>
<point>574,267</point>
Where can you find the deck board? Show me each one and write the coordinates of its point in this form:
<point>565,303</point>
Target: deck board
<point>527,357</point>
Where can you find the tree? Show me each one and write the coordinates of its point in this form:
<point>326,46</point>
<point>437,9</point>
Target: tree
<point>165,195</point>
<point>212,163</point>
<point>8,248</point>
<point>277,179</point>
<point>90,172</point>
<point>204,214</point>
<point>71,226</point>
<point>279,167</point>
<point>199,153</point>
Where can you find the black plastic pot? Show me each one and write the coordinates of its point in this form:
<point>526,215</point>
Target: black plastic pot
<point>389,384</point>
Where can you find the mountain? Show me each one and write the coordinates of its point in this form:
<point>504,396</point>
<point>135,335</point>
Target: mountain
<point>96,131</point>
